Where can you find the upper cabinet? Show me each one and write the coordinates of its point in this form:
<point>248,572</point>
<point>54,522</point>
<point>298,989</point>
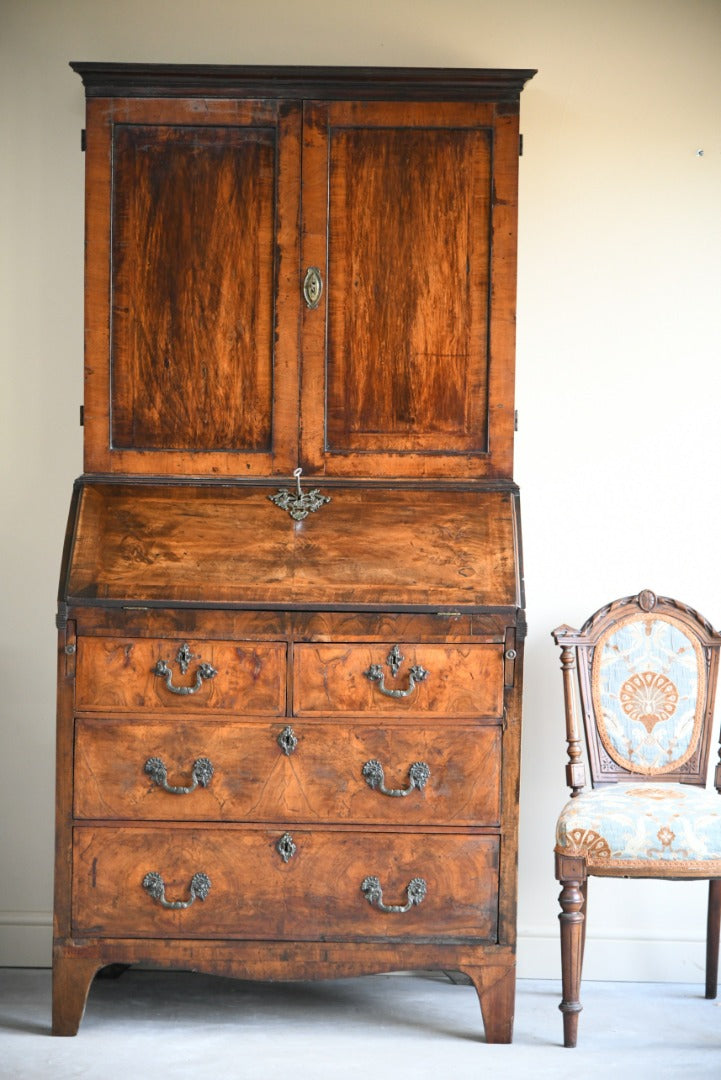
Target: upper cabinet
<point>300,267</point>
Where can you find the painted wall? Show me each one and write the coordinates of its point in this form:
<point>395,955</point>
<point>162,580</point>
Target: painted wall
<point>619,392</point>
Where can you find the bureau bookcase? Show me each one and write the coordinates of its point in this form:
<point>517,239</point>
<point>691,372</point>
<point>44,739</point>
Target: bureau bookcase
<point>291,599</point>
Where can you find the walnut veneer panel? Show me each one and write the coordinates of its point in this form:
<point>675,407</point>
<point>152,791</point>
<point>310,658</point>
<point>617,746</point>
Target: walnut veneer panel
<point>254,780</point>
<point>380,547</point>
<point>255,894</point>
<point>119,674</point>
<point>461,680</point>
<point>193,266</point>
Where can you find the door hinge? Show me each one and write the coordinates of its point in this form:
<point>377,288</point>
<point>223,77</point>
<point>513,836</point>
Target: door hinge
<point>82,416</point>
<point>520,145</point>
<point>509,658</point>
<point>83,139</point>
<point>515,419</point>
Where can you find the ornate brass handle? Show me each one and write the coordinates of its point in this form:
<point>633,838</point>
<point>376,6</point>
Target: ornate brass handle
<point>155,887</point>
<point>394,660</point>
<point>301,503</point>
<point>312,287</point>
<point>202,774</point>
<point>375,779</point>
<point>415,891</point>
<point>205,671</point>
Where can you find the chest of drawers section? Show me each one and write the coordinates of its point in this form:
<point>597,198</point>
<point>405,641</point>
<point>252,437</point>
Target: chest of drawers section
<point>308,779</point>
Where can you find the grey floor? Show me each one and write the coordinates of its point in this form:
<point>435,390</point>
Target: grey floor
<point>381,1027</point>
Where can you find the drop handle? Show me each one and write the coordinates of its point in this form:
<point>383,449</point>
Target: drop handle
<point>202,774</point>
<point>415,891</point>
<point>155,888</point>
<point>374,777</point>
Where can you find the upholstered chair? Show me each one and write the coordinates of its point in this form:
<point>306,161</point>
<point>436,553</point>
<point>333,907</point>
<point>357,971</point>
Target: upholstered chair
<point>644,669</point>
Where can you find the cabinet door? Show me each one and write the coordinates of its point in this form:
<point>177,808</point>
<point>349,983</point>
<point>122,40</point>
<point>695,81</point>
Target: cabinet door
<point>191,347</point>
<point>409,216</point>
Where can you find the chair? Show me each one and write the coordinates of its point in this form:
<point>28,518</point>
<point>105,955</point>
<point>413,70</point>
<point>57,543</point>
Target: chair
<point>646,669</point>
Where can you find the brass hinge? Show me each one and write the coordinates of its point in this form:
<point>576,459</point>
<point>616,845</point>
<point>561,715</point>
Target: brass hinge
<point>71,648</point>
<point>83,140</point>
<point>509,658</point>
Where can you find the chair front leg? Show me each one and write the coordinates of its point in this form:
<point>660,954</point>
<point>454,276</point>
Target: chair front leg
<point>571,873</point>
<point>713,926</point>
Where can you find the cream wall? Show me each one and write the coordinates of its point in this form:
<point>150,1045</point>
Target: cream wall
<point>619,392</point>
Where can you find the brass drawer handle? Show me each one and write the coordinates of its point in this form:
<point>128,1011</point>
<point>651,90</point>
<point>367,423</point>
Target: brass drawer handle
<point>394,660</point>
<point>155,887</point>
<point>415,891</point>
<point>202,774</point>
<point>418,775</point>
<point>205,671</point>
<point>299,503</point>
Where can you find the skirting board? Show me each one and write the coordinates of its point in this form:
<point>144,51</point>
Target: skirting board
<point>26,940</point>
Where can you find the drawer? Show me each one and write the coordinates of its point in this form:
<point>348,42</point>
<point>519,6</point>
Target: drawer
<point>387,679</point>
<point>254,893</point>
<point>330,772</point>
<point>161,675</point>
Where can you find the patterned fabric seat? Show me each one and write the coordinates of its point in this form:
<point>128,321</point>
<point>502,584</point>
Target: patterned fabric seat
<point>645,670</point>
<point>669,830</point>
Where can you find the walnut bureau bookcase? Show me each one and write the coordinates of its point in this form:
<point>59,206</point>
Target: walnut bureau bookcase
<point>291,601</point>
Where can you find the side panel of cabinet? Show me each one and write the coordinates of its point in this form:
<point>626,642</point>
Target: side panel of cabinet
<point>409,214</point>
<point>192,307</point>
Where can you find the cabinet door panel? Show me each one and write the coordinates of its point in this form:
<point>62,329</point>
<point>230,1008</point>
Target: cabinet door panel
<point>402,216</point>
<point>194,214</point>
<point>192,348</point>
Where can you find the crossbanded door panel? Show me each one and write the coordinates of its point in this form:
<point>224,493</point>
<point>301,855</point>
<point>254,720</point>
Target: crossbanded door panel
<point>406,357</point>
<point>199,212</point>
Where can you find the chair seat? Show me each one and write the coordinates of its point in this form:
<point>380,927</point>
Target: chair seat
<point>668,830</point>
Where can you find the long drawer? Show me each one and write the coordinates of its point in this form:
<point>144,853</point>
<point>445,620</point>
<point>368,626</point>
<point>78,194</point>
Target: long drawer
<point>314,771</point>
<point>302,885</point>
<point>131,674</point>
<point>387,679</point>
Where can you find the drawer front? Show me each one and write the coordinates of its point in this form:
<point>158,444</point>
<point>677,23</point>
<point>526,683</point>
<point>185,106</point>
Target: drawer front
<point>146,673</point>
<point>310,772</point>
<point>253,893</point>
<point>417,680</point>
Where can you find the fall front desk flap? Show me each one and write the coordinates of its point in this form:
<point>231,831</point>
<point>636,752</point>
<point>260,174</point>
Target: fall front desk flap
<point>231,544</point>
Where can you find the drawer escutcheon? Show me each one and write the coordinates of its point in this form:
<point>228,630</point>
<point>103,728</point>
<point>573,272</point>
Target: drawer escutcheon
<point>394,660</point>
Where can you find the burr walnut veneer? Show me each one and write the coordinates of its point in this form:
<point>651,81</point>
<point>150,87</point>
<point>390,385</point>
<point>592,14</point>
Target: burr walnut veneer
<point>290,617</point>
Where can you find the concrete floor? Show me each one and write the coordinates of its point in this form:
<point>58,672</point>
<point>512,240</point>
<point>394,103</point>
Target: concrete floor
<point>381,1027</point>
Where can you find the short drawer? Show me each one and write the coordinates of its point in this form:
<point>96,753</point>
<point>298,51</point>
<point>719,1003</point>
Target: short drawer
<point>243,771</point>
<point>387,679</point>
<point>273,884</point>
<point>160,675</point>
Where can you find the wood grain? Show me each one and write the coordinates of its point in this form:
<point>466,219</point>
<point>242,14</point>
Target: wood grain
<point>185,271</point>
<point>463,680</point>
<point>119,674</point>
<point>254,780</point>
<point>384,548</point>
<point>254,894</point>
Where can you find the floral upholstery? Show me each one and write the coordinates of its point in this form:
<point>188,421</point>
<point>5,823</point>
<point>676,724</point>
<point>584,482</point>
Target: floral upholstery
<point>646,680</point>
<point>660,831</point>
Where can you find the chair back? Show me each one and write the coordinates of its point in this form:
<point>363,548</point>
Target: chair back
<point>647,669</point>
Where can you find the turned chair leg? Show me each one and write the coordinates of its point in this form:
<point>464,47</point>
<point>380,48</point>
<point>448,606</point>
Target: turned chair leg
<point>713,926</point>
<point>572,940</point>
